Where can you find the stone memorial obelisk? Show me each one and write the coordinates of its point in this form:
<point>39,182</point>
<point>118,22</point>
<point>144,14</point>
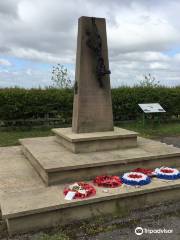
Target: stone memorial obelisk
<point>92,123</point>
<point>92,110</point>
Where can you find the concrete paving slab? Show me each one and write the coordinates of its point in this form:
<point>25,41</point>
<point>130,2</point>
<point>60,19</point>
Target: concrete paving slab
<point>16,173</point>
<point>52,198</point>
<point>27,204</point>
<point>38,209</point>
<point>55,164</point>
<point>53,156</point>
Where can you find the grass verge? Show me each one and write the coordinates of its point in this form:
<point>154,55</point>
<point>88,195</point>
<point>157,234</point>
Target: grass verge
<point>11,137</point>
<point>152,130</point>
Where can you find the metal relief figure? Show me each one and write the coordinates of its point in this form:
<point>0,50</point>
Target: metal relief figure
<point>94,42</point>
<point>76,87</point>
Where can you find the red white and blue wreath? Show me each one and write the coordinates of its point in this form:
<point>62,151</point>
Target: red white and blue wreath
<point>135,178</point>
<point>147,171</point>
<point>167,173</point>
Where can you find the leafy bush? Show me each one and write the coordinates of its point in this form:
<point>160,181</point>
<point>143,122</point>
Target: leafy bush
<point>16,103</point>
<point>125,101</point>
<point>60,77</point>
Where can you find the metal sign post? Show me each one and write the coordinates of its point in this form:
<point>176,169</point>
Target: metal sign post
<point>151,108</point>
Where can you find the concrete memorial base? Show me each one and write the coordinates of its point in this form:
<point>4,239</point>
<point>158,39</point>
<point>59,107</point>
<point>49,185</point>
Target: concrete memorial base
<point>95,141</point>
<point>44,208</point>
<point>56,164</point>
<point>27,204</point>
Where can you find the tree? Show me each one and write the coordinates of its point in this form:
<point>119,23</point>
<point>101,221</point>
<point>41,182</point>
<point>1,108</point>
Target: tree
<point>149,81</point>
<point>60,77</point>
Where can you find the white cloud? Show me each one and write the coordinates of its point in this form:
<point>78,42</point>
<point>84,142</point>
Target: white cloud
<point>29,72</point>
<point>4,62</point>
<point>158,65</point>
<point>146,56</point>
<point>139,33</point>
<point>27,78</point>
<point>45,57</point>
<point>140,30</point>
<point>129,68</point>
<point>50,27</point>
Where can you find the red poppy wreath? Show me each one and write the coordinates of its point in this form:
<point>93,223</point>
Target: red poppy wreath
<point>108,181</point>
<point>81,189</point>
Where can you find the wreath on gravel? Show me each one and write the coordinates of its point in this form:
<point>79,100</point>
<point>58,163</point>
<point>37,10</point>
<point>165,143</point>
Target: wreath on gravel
<point>135,179</point>
<point>146,171</point>
<point>107,181</point>
<point>167,173</point>
<point>82,190</point>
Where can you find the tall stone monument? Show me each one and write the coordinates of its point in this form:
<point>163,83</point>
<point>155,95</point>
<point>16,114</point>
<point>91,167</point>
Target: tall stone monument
<point>92,123</point>
<point>92,110</point>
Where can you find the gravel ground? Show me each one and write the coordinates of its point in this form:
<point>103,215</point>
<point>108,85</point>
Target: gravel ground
<point>166,216</point>
<point>172,140</point>
<point>163,217</point>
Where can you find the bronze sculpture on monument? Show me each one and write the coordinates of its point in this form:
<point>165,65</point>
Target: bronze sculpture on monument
<point>94,42</point>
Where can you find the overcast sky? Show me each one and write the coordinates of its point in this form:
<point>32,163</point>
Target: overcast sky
<point>143,37</point>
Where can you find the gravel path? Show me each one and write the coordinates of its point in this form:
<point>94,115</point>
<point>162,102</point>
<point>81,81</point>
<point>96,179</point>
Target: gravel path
<point>172,140</point>
<point>162,217</point>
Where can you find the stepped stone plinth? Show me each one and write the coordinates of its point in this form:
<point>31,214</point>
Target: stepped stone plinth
<point>95,141</point>
<point>56,164</point>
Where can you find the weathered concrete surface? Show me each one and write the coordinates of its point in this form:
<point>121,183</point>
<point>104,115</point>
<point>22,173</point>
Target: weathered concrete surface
<point>92,109</point>
<point>82,137</point>
<point>56,164</point>
<point>28,205</point>
<point>38,209</point>
<point>96,141</point>
<point>16,173</point>
<point>18,179</point>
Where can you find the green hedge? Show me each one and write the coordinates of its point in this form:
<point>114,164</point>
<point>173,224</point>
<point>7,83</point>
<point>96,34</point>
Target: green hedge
<point>126,99</point>
<point>16,103</point>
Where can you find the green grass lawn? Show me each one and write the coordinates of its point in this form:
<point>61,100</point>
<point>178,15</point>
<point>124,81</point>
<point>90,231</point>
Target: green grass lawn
<point>10,137</point>
<point>154,130</point>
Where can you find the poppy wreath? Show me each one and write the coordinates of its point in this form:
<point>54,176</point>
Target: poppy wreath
<point>82,190</point>
<point>135,178</point>
<point>107,181</point>
<point>167,173</point>
<point>146,171</point>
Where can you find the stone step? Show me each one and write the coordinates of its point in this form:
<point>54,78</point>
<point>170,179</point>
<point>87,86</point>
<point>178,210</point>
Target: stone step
<point>16,173</point>
<point>44,208</point>
<point>55,164</point>
<point>95,141</point>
